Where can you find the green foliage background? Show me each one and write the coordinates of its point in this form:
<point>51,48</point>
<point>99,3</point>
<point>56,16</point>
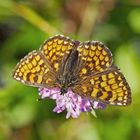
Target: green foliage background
<point>25,24</point>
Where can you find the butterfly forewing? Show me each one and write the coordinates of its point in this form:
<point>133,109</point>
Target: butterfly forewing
<point>94,56</point>
<point>33,70</point>
<point>109,86</point>
<point>56,49</point>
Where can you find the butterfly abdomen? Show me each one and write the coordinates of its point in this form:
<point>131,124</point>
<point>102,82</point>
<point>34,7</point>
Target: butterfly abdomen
<point>69,69</point>
<point>72,61</point>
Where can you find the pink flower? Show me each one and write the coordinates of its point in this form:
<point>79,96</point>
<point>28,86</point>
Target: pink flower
<point>73,103</point>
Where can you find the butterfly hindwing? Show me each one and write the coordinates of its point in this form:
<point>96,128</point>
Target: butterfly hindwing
<point>109,86</point>
<point>94,56</point>
<point>56,49</point>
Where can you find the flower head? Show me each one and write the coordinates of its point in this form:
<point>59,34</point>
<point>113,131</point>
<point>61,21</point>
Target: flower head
<point>73,103</point>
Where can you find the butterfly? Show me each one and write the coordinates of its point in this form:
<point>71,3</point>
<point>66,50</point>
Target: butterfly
<point>85,68</point>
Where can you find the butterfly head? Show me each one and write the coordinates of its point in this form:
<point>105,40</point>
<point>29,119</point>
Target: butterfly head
<point>63,89</point>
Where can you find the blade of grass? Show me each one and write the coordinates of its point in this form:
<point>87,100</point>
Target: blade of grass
<point>31,16</point>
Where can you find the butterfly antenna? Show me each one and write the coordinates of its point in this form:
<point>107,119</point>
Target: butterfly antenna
<point>91,104</point>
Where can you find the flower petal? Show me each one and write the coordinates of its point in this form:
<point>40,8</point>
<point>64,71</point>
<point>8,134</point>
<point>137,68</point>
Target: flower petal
<point>73,103</point>
<point>99,105</point>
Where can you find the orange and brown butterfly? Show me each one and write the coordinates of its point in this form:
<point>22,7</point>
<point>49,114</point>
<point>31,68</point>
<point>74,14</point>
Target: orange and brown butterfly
<point>86,68</point>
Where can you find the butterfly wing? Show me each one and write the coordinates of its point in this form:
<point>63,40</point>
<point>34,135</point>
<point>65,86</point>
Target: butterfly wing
<point>34,71</point>
<point>109,87</point>
<point>56,49</point>
<point>41,68</point>
<point>94,57</point>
